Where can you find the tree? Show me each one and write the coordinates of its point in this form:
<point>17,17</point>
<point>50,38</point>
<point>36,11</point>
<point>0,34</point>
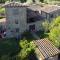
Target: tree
<point>41,0</point>
<point>2,10</point>
<point>3,1</point>
<point>55,22</point>
<point>54,34</point>
<point>26,48</point>
<point>45,26</point>
<point>23,1</point>
<point>29,1</point>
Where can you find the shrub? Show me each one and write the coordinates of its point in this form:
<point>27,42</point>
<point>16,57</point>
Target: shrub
<point>2,10</point>
<point>54,34</point>
<point>27,48</point>
<point>45,26</point>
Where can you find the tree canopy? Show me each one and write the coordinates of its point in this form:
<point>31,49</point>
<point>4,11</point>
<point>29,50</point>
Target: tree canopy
<point>26,48</point>
<point>54,34</point>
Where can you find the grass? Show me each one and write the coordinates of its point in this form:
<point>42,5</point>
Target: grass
<point>8,46</point>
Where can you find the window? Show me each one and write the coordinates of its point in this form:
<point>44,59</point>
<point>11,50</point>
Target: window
<point>51,15</point>
<point>32,28</point>
<point>15,11</point>
<point>30,20</point>
<point>16,21</point>
<point>17,29</point>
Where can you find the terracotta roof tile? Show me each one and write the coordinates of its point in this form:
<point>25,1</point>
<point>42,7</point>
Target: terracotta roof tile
<point>46,47</point>
<point>15,4</point>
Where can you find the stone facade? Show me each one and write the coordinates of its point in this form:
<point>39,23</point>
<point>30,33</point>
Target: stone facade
<point>50,12</point>
<point>16,19</point>
<point>18,14</point>
<point>37,25</point>
<point>51,15</point>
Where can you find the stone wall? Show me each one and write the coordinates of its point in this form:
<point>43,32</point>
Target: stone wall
<point>19,16</point>
<point>37,25</point>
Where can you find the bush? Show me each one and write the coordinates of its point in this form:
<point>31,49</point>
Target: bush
<point>2,10</point>
<point>27,48</point>
<point>54,34</point>
<point>45,26</point>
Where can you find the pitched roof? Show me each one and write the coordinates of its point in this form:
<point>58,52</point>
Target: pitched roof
<point>14,4</point>
<point>50,8</point>
<point>35,7</point>
<point>46,48</point>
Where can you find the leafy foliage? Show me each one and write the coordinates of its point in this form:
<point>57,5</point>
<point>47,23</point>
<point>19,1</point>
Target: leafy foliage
<point>55,23</point>
<point>54,34</point>
<point>2,10</point>
<point>27,48</point>
<point>45,26</point>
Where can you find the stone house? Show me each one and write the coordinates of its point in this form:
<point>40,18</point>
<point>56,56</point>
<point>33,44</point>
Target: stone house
<point>46,50</point>
<point>21,17</point>
<point>50,12</point>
